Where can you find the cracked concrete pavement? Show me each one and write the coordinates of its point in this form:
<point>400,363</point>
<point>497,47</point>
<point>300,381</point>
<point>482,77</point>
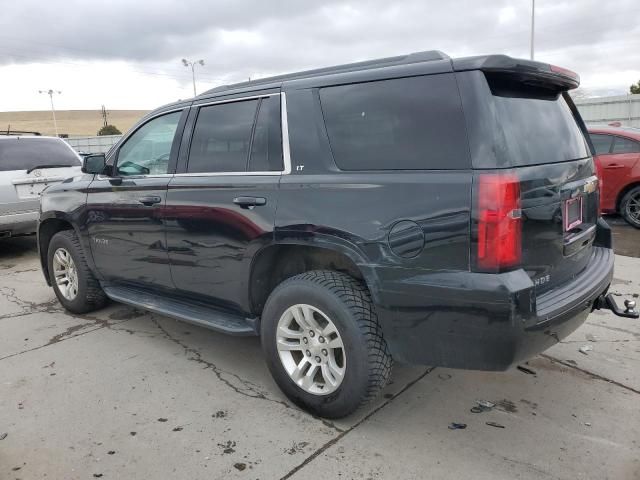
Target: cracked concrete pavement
<point>121,393</point>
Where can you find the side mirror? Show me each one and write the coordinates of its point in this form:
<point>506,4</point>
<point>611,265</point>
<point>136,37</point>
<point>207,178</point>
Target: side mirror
<point>94,164</point>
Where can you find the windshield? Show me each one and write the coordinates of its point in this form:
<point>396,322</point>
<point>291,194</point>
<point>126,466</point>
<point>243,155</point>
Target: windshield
<point>511,124</point>
<point>26,153</point>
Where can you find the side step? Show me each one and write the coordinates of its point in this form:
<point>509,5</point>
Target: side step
<point>198,314</point>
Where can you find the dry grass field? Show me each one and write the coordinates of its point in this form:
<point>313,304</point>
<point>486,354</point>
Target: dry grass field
<point>71,122</point>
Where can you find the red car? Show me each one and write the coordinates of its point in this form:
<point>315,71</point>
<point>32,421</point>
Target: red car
<point>618,163</point>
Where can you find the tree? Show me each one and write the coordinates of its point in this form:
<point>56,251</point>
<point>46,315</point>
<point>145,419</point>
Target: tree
<point>109,130</point>
<point>635,88</point>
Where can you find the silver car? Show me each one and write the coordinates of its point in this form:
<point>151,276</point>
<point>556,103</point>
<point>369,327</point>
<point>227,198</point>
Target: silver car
<point>28,165</point>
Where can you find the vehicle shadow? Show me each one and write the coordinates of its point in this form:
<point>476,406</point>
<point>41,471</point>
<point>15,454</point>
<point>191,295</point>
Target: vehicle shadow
<point>626,239</point>
<point>15,247</point>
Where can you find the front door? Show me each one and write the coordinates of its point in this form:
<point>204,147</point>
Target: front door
<point>221,204</point>
<point>125,211</point>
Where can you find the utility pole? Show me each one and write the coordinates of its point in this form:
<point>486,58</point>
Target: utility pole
<point>104,114</point>
<point>51,92</point>
<point>533,24</point>
<point>189,63</point>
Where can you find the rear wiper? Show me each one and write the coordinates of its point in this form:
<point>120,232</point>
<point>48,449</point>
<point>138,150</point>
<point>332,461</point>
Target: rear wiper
<point>48,166</point>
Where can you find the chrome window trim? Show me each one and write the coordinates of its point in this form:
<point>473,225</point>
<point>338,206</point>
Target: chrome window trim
<point>286,152</point>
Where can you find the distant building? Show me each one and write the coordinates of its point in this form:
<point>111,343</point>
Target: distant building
<point>605,110</point>
<point>93,144</point>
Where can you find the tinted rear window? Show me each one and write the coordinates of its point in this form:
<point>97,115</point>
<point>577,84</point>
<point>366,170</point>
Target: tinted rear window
<point>266,148</point>
<point>511,124</point>
<point>222,137</point>
<point>26,153</point>
<point>400,124</point>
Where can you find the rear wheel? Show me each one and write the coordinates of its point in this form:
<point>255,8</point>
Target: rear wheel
<point>323,343</point>
<point>73,282</point>
<point>630,207</point>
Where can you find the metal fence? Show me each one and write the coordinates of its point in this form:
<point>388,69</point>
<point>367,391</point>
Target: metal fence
<point>602,111</point>
<point>99,144</point>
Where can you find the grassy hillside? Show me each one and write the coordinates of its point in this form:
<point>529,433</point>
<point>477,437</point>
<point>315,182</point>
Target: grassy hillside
<point>72,122</point>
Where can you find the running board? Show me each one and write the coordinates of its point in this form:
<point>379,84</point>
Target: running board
<point>202,315</point>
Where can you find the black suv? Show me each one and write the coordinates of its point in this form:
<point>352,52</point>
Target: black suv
<point>417,208</point>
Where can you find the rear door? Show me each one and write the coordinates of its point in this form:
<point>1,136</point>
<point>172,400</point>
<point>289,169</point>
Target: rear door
<point>125,211</point>
<point>617,165</point>
<point>532,131</point>
<point>221,205</point>
<point>602,144</point>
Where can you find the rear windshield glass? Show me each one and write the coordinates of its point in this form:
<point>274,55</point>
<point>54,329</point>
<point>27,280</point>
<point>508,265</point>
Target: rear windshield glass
<point>401,124</point>
<point>511,124</point>
<point>26,153</point>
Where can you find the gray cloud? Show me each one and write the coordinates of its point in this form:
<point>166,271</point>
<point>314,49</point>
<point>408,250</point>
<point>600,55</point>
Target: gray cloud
<point>245,38</point>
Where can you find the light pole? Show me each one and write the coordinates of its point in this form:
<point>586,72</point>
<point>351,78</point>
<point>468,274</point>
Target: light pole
<point>533,24</point>
<point>50,92</point>
<point>189,63</point>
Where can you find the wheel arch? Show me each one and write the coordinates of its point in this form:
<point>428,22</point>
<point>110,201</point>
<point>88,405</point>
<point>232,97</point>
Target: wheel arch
<point>47,228</point>
<point>624,191</point>
<point>276,262</point>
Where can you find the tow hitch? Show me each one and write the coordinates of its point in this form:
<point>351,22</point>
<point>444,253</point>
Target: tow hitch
<point>608,302</point>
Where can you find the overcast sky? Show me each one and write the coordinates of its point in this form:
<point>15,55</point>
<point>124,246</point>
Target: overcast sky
<point>126,54</point>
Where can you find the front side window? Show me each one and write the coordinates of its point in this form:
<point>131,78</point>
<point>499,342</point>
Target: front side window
<point>148,150</point>
<point>602,143</point>
<point>624,145</point>
<point>222,138</point>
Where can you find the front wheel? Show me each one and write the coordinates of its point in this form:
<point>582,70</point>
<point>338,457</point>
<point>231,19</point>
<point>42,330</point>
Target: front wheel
<point>73,282</point>
<point>630,207</point>
<point>323,343</point>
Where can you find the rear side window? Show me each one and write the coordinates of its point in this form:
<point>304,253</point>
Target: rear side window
<point>511,124</point>
<point>222,137</point>
<point>26,153</point>
<point>266,148</point>
<point>602,143</point>
<point>624,145</point>
<point>400,124</point>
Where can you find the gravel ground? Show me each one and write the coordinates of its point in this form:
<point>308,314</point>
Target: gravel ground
<point>126,394</point>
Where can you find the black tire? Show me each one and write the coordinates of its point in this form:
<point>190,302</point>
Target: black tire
<point>347,303</point>
<point>90,296</point>
<point>628,209</point>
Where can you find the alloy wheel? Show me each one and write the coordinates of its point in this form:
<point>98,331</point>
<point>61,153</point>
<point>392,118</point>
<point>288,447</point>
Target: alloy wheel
<point>65,274</point>
<point>311,349</point>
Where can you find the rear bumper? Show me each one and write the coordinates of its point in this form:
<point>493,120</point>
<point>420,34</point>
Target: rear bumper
<point>19,223</point>
<point>483,321</point>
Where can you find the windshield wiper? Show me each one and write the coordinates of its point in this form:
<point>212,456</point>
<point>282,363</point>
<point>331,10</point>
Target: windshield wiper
<point>48,166</point>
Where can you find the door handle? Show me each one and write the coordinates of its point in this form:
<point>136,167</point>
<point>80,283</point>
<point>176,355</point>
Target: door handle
<point>614,166</point>
<point>148,201</point>
<point>250,202</point>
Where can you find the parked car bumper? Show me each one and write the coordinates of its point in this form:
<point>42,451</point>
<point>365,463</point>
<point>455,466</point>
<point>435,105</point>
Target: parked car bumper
<point>22,223</point>
<point>484,322</point>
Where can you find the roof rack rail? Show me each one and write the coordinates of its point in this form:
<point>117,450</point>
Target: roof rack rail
<point>426,56</point>
<point>19,132</point>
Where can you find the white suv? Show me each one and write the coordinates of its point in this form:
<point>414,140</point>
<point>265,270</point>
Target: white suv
<point>28,165</point>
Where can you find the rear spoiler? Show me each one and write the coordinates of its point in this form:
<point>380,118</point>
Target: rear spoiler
<point>526,71</point>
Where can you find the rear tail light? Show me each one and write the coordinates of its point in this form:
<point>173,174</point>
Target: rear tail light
<point>499,217</point>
